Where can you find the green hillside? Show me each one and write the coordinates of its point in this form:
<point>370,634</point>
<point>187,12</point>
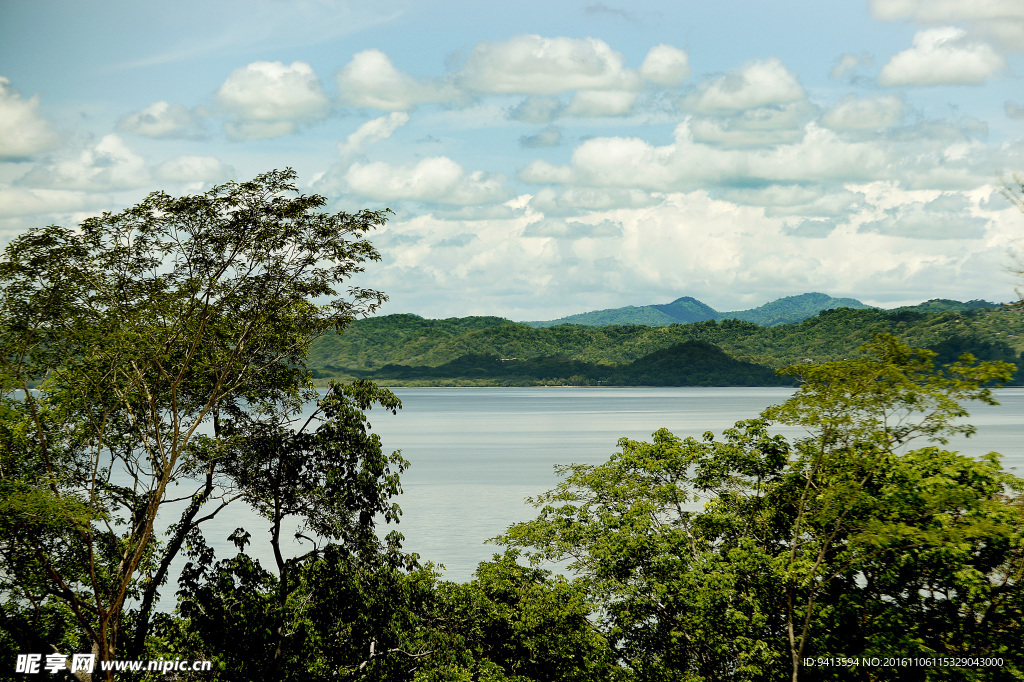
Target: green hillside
<point>692,363</point>
<point>792,309</point>
<point>401,349</point>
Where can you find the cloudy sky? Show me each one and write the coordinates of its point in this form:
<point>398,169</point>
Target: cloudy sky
<point>548,158</point>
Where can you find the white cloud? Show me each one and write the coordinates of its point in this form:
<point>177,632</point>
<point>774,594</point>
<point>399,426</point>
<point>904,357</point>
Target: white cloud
<point>628,162</point>
<point>437,179</point>
<point>572,229</point>
<point>796,199</point>
<point>540,172</point>
<point>109,164</point>
<point>548,137</point>
<point>1013,110</point>
<point>942,56</point>
<point>375,130</point>
<point>758,84</point>
<point>1000,20</point>
<point>162,120</point>
<point>533,65</point>
<point>537,110</point>
<point>864,113</point>
<point>597,103</point>
<point>23,132</point>
<point>17,201</point>
<point>848,63</point>
<point>666,65</point>
<point>371,81</point>
<point>760,127</point>
<point>194,170</point>
<point>270,99</point>
<point>574,200</point>
<point>354,147</point>
<point>948,216</point>
<point>811,229</point>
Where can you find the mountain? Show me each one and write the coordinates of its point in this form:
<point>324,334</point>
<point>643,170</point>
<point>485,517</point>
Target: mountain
<point>687,310</point>
<point>792,309</point>
<point>680,311</point>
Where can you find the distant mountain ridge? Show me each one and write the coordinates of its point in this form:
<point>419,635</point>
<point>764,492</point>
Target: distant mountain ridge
<point>687,310</point>
<point>787,310</point>
<point>491,351</point>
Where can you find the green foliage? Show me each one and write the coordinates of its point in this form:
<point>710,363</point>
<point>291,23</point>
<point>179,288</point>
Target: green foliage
<point>525,623</point>
<point>142,330</point>
<point>734,559</point>
<point>404,349</point>
<point>693,363</point>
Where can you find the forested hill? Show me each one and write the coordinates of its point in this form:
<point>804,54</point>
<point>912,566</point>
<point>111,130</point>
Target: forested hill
<point>687,310</point>
<point>410,350</point>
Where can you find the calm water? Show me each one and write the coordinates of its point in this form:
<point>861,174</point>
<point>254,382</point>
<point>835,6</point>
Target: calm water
<point>476,453</point>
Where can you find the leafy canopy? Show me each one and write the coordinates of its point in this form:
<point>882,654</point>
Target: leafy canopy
<point>133,347</point>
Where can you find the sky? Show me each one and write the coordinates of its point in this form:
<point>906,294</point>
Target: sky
<point>550,158</point>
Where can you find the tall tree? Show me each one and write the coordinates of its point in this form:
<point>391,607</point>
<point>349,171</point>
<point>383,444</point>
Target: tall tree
<point>133,346</point>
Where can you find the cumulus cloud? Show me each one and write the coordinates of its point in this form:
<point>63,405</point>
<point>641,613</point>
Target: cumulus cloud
<point>573,200</point>
<point>476,213</point>
<point>796,199</point>
<point>354,147</point>
<point>23,131</point>
<point>270,99</point>
<point>864,113</point>
<point>458,240</point>
<point>948,216</point>
<point>758,84</point>
<point>1000,20</point>
<point>107,165</point>
<point>534,65</point>
<point>666,65</point>
<point>437,179</point>
<point>811,229</point>
<point>847,64</point>
<point>375,130</point>
<point>597,103</point>
<point>371,81</point>
<point>194,170</point>
<point>537,110</point>
<point>162,120</point>
<point>18,201</point>
<point>942,56</point>
<point>572,229</point>
<point>549,137</point>
<point>760,127</point>
<point>1014,110</point>
<point>819,157</point>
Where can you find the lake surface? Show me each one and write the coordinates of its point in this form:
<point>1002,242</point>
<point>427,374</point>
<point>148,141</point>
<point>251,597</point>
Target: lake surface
<point>476,453</point>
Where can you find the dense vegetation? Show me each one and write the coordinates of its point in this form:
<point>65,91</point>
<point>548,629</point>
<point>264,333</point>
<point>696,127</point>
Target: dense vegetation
<point>409,350</point>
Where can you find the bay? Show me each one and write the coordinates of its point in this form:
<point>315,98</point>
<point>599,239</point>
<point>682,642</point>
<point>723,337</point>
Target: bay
<point>476,453</point>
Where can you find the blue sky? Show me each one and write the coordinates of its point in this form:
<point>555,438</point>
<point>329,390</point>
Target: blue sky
<point>548,158</point>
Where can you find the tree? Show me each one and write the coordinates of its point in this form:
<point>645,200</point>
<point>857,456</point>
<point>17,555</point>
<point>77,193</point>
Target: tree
<point>332,474</point>
<point>135,348</point>
<point>517,623</point>
<point>739,558</point>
